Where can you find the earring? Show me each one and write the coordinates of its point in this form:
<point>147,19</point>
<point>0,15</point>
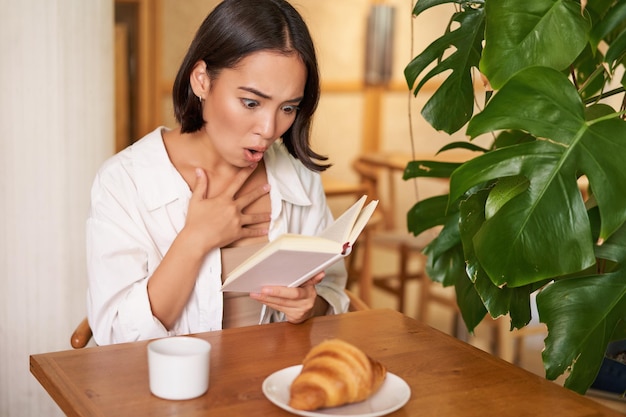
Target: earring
<point>200,98</point>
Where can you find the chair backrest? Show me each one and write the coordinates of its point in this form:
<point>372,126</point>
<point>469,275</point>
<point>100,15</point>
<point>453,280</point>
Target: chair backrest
<point>379,174</point>
<point>356,304</point>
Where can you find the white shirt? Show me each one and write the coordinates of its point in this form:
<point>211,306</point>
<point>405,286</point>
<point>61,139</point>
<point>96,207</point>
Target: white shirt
<point>139,203</point>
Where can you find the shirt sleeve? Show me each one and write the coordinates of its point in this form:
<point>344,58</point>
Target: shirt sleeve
<point>118,258</point>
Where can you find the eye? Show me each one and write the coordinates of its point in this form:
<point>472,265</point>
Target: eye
<point>289,109</point>
<point>249,103</point>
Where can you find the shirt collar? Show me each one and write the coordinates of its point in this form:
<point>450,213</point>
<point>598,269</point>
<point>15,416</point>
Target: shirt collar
<point>159,183</point>
<point>284,177</point>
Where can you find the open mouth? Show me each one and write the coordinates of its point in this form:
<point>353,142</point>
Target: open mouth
<point>253,155</point>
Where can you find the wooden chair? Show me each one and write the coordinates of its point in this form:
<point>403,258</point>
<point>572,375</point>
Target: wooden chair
<point>82,334</point>
<point>337,191</point>
<point>433,293</point>
<point>378,174</point>
<point>356,304</point>
<point>385,235</point>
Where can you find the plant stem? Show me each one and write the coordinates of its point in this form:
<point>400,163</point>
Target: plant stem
<point>596,72</point>
<point>619,114</point>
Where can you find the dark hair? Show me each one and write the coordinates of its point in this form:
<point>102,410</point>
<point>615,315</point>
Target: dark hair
<point>234,30</point>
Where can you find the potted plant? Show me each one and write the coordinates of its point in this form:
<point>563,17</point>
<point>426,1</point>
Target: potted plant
<point>515,221</point>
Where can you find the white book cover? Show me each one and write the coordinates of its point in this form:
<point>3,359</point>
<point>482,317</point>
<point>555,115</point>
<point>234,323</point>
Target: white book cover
<point>292,259</point>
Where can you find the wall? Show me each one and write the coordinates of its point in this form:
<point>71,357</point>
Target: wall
<point>56,113</point>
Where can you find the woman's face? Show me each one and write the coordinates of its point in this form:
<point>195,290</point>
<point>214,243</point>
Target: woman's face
<point>250,106</point>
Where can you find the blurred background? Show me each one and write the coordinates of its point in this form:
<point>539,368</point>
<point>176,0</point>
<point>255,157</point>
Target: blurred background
<point>82,80</point>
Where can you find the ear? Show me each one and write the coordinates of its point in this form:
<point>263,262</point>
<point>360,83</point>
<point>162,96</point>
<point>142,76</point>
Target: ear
<point>199,80</point>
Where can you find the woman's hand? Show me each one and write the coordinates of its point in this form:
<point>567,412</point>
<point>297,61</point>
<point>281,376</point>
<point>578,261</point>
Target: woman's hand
<point>298,304</point>
<point>218,221</point>
<point>211,223</point>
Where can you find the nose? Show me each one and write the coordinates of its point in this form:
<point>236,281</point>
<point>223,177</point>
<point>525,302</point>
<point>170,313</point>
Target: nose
<point>266,125</point>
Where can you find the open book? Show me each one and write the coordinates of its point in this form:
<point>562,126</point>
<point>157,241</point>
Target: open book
<point>292,259</point>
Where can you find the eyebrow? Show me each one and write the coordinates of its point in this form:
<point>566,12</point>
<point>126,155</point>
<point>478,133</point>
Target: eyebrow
<point>265,96</point>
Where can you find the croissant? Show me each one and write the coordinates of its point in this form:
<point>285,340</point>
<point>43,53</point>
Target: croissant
<point>335,373</point>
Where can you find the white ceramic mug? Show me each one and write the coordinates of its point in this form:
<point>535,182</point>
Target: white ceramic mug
<point>179,367</point>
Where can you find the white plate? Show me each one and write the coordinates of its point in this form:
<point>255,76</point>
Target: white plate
<point>392,395</point>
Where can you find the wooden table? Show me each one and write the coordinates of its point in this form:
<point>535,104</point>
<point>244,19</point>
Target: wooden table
<point>447,377</point>
<point>338,188</point>
<point>397,161</point>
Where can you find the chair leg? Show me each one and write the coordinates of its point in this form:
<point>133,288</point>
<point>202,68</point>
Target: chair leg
<point>403,276</point>
<point>506,344</point>
<point>422,308</point>
<point>495,337</point>
<point>359,267</point>
<point>457,330</point>
<point>517,350</point>
<point>365,276</point>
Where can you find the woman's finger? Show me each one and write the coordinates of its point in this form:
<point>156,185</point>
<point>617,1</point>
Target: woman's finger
<point>201,187</point>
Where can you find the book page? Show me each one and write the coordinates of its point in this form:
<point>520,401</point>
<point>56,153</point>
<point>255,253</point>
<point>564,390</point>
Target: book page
<point>362,220</point>
<point>341,229</point>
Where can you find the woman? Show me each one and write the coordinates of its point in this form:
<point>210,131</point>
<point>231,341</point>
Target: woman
<point>170,212</point>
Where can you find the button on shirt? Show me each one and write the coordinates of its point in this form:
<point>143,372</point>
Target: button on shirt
<point>139,203</point>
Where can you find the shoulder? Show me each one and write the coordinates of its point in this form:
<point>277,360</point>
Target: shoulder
<point>142,168</point>
<point>149,151</point>
<point>148,147</point>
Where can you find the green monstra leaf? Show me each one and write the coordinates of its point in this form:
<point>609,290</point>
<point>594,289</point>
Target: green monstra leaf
<point>430,169</point>
<point>614,19</point>
<point>505,189</point>
<point>472,214</point>
<point>579,326</point>
<point>520,34</point>
<point>543,102</point>
<point>421,5</point>
<point>427,213</point>
<point>549,104</point>
<point>497,301</point>
<point>510,232</point>
<point>583,314</point>
<point>452,105</point>
<point>445,253</point>
<point>472,309</point>
<point>615,53</point>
